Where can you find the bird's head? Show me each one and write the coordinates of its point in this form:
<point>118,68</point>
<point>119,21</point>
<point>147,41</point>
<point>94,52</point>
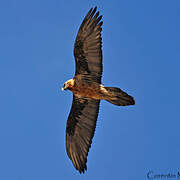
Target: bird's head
<point>68,85</point>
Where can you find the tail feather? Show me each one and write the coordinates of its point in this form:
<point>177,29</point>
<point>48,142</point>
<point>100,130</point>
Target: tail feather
<point>118,97</point>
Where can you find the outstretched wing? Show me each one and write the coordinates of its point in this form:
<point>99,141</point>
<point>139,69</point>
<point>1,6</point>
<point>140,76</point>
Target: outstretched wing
<point>80,129</point>
<point>87,47</point>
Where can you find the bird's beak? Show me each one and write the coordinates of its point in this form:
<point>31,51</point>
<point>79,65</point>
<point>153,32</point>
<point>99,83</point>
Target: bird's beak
<point>64,87</point>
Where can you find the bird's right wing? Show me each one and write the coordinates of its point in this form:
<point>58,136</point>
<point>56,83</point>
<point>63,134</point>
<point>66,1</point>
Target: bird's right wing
<point>80,129</point>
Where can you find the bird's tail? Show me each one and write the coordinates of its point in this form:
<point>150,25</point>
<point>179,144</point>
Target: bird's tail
<point>118,97</point>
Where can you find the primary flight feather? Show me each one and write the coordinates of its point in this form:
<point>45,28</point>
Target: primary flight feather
<point>88,90</point>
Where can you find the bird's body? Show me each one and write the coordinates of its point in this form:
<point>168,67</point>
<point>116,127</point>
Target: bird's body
<point>82,88</point>
<point>88,90</point>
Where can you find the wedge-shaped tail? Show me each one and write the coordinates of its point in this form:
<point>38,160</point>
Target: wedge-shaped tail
<point>118,97</point>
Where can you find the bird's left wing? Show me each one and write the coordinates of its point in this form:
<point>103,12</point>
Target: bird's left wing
<point>80,130</point>
<point>87,47</point>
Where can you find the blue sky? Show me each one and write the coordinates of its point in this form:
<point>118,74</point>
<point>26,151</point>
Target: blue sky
<point>141,55</point>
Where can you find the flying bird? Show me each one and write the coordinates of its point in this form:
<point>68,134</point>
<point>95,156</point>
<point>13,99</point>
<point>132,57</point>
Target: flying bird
<point>88,90</point>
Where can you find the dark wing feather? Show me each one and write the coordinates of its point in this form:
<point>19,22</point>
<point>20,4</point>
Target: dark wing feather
<point>87,48</point>
<point>80,129</point>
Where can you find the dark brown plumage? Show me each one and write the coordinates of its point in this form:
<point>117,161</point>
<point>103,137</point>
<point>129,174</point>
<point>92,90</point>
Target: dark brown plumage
<point>88,90</point>
<point>87,48</point>
<point>80,130</point>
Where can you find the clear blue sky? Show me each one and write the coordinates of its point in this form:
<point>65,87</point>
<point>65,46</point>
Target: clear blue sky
<point>141,55</point>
